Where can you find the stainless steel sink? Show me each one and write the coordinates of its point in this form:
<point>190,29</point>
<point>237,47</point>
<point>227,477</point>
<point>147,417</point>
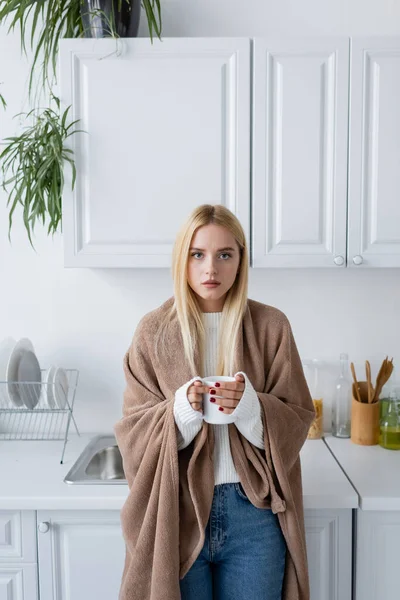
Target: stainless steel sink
<point>100,462</point>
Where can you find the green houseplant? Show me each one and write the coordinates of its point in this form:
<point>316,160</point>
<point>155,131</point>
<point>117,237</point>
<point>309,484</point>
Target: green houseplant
<point>33,162</point>
<point>32,166</point>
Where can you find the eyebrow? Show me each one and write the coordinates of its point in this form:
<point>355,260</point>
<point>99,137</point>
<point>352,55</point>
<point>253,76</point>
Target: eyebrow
<point>219,249</point>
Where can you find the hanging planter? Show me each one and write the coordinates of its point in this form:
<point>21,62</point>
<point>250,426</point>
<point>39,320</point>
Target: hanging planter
<point>104,18</point>
<point>51,20</point>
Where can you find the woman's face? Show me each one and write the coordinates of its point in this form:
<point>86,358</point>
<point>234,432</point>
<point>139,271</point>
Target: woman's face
<point>214,254</point>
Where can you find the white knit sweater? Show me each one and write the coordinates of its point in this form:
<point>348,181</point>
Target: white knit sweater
<point>248,411</point>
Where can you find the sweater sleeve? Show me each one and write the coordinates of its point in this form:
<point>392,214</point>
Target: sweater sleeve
<point>248,414</point>
<point>188,421</point>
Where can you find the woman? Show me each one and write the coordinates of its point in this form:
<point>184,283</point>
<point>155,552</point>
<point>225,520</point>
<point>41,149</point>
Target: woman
<point>214,511</point>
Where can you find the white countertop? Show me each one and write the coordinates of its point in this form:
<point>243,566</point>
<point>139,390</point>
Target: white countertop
<point>32,478</point>
<point>373,471</point>
<point>324,483</point>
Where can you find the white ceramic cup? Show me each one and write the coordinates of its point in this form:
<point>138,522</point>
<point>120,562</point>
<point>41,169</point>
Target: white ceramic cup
<point>211,412</point>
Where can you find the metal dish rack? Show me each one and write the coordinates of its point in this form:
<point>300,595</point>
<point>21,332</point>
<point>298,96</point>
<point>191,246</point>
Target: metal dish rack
<point>34,419</point>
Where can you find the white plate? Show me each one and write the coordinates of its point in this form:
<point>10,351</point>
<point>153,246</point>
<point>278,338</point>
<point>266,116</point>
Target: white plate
<point>6,347</point>
<point>47,398</point>
<point>29,371</point>
<point>12,370</point>
<point>60,387</point>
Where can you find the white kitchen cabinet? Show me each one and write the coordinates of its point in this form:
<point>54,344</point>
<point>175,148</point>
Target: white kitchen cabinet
<point>18,556</point>
<point>329,552</point>
<point>17,536</point>
<point>374,472</point>
<point>377,566</point>
<point>81,554</point>
<point>374,158</point>
<point>299,159</point>
<point>18,582</point>
<point>167,129</point>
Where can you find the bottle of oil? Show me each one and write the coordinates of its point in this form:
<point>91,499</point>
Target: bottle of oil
<point>391,385</point>
<point>389,436</point>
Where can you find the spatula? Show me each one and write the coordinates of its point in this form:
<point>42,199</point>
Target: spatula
<point>384,373</point>
<point>370,389</point>
<point>353,371</point>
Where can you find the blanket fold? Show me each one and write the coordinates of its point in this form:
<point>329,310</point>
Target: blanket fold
<point>170,494</point>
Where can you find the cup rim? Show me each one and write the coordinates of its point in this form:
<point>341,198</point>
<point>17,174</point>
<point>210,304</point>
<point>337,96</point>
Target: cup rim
<point>218,378</point>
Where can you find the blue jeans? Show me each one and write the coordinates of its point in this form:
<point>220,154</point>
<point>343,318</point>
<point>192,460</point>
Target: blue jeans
<point>244,552</point>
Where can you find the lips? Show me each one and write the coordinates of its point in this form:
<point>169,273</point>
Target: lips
<point>212,283</point>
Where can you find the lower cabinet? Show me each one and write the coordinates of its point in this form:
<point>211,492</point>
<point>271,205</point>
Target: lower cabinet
<point>18,582</point>
<point>18,556</point>
<point>329,536</point>
<point>377,551</point>
<point>80,554</point>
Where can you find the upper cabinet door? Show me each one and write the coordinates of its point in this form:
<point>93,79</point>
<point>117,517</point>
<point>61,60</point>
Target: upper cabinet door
<point>374,162</point>
<point>300,135</point>
<point>167,129</point>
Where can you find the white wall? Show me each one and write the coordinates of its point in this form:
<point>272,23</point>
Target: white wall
<point>84,319</point>
<point>261,17</point>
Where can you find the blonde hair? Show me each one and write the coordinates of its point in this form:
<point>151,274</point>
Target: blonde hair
<point>185,307</point>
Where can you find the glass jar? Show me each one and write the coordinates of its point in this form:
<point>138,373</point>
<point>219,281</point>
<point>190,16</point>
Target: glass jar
<point>316,428</point>
<point>311,372</point>
<point>389,436</point>
<point>341,405</point>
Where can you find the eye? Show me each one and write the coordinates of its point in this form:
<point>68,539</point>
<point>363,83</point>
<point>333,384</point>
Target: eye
<point>222,254</point>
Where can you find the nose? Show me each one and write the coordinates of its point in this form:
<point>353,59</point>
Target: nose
<point>210,268</point>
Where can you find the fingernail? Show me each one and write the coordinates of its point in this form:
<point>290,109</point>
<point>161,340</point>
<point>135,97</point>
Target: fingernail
<point>220,408</point>
<point>212,399</point>
<point>212,391</point>
<point>217,384</point>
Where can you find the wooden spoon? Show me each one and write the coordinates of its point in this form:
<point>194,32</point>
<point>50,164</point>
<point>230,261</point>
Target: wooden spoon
<point>353,371</point>
<point>370,389</point>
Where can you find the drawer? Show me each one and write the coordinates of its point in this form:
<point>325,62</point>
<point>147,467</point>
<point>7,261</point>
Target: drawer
<point>18,582</point>
<point>18,536</point>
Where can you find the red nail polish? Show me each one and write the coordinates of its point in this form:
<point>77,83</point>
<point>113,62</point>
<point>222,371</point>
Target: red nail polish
<point>220,408</point>
<point>212,399</point>
<point>212,391</point>
<point>217,384</point>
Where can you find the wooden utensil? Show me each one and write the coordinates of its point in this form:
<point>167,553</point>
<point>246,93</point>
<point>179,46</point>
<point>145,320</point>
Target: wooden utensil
<point>370,389</point>
<point>384,373</point>
<point>353,371</point>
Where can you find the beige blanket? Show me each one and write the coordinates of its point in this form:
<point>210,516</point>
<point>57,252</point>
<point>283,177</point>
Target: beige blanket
<point>170,493</point>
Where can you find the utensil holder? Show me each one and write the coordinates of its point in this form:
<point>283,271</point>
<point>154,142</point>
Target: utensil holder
<point>364,417</point>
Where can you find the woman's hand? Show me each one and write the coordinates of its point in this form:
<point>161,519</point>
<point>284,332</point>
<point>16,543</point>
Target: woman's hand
<point>232,392</point>
<point>195,394</point>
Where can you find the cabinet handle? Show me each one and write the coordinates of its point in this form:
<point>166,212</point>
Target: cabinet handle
<point>338,260</point>
<point>44,526</point>
<point>357,260</point>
